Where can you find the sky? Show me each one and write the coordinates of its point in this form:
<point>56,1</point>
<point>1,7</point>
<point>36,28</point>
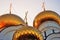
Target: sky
<point>19,7</point>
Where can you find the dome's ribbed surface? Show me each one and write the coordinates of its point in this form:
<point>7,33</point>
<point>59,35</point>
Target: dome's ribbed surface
<point>26,33</point>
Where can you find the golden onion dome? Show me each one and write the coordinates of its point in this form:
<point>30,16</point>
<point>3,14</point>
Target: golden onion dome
<point>10,20</point>
<point>27,33</point>
<point>46,16</point>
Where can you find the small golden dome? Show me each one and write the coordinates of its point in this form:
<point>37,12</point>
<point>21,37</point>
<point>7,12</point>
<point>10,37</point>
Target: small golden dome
<point>46,16</point>
<point>26,33</point>
<point>10,20</point>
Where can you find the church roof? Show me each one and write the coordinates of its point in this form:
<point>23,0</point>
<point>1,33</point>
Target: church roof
<point>10,19</point>
<point>28,31</point>
<point>46,16</point>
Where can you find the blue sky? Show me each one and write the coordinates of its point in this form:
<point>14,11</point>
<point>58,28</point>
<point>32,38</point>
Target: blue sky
<point>33,6</point>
